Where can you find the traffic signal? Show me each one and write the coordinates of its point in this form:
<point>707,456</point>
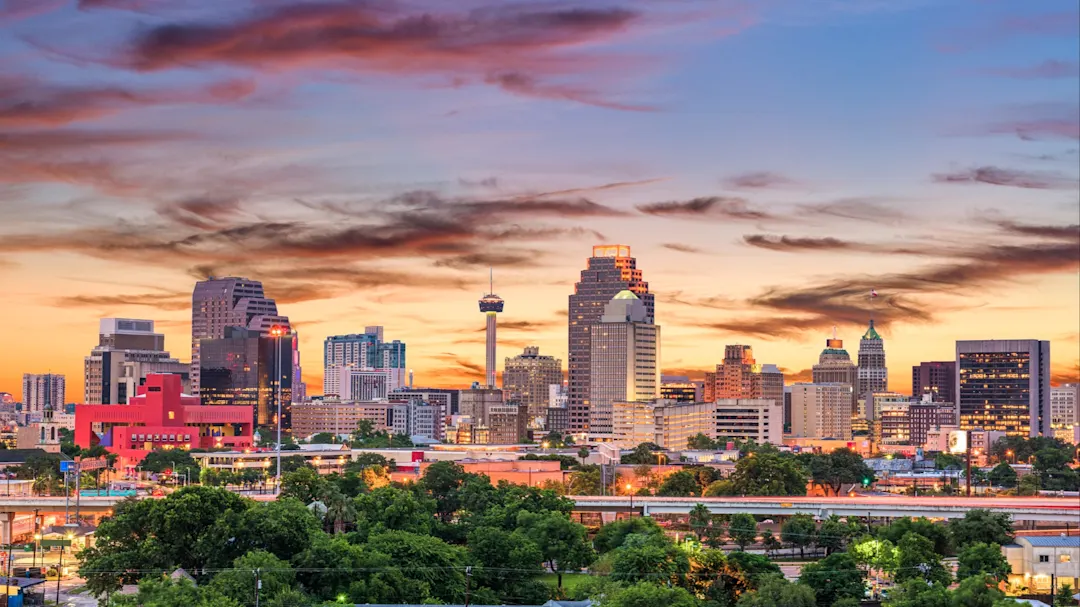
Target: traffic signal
<point>865,482</point>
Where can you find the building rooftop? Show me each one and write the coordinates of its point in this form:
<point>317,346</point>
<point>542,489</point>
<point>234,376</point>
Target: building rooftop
<point>871,333</point>
<point>625,294</point>
<point>1051,541</point>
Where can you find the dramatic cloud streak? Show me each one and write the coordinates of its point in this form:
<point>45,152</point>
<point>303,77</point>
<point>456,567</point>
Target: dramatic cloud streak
<point>759,180</point>
<point>1008,177</point>
<point>712,207</point>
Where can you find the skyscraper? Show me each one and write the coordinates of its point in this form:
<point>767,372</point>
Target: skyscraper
<point>1004,385</point>
<point>610,270</point>
<point>528,378</point>
<point>873,376</point>
<point>1065,405</point>
<point>217,303</point>
<point>245,368</point>
<point>128,350</point>
<point>938,379</point>
<point>740,376</point>
<point>834,366</point>
<point>365,350</point>
<point>491,305</point>
<point>624,360</point>
<point>41,390</point>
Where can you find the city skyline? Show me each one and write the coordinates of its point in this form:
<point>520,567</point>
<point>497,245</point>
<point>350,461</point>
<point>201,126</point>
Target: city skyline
<point>926,150</point>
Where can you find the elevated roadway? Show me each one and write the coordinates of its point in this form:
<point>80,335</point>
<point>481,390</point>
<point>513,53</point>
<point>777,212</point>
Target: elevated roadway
<point>1040,509</point>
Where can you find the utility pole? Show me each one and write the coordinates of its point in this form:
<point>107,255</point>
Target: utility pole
<point>258,585</point>
<point>968,445</point>
<point>468,577</point>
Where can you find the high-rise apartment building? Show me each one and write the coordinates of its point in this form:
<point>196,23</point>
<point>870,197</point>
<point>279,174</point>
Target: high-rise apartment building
<point>1065,405</point>
<point>486,418</point>
<point>1004,385</point>
<point>821,410</point>
<point>362,384</point>
<point>365,350</point>
<point>128,351</point>
<point>41,391</point>
<point>245,368</point>
<point>417,418</point>
<point>218,303</point>
<point>624,359</point>
<point>441,397</point>
<point>610,270</point>
<point>938,379</point>
<point>892,426</point>
<point>755,419</point>
<point>873,376</point>
<point>879,400</point>
<point>834,366</point>
<point>528,378</point>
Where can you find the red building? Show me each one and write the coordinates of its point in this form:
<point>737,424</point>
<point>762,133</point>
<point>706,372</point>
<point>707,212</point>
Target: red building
<point>160,416</point>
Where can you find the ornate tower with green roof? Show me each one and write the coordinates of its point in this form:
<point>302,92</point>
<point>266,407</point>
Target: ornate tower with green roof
<point>873,376</point>
<point>835,366</point>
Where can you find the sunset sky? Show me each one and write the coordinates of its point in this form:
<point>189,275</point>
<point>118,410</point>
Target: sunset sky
<point>768,161</point>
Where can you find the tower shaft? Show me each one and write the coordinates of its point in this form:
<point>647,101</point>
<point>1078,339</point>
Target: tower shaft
<point>490,361</point>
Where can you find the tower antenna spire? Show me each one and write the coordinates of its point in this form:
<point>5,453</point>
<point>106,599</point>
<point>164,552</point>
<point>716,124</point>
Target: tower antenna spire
<point>491,279</point>
<point>834,331</point>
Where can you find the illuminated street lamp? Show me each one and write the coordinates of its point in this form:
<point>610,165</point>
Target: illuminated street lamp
<point>277,332</point>
<point>629,489</point>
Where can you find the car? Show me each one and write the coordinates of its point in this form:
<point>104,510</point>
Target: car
<point>768,521</point>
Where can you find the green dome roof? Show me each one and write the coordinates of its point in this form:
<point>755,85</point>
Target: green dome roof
<point>871,333</point>
<point>624,294</point>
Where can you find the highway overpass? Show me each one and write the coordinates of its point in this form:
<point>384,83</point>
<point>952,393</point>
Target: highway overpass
<point>1039,509</point>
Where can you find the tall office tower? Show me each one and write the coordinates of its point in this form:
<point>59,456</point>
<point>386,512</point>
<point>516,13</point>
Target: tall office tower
<point>928,415</point>
<point>491,305</point>
<point>873,375</point>
<point>769,383</point>
<point>610,270</point>
<point>365,350</point>
<point>821,410</point>
<point>217,303</point>
<point>938,379</point>
<point>41,391</point>
<point>528,378</point>
<point>834,366</point>
<point>128,350</point>
<point>1065,405</point>
<point>1004,385</point>
<point>624,359</point>
<point>244,367</point>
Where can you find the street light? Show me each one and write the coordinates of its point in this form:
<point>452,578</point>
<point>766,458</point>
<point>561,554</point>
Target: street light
<point>629,489</point>
<point>277,332</point>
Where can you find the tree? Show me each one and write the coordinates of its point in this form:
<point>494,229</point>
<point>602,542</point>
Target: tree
<point>981,525</point>
<point>289,597</point>
<point>503,562</point>
<point>1028,485</point>
<point>833,578</point>
<point>614,534</point>
<point>1003,475</point>
<point>769,542</point>
<point>700,442</point>
<point>978,592</point>
<point>918,560</point>
<point>742,528</point>
<point>754,567</point>
<point>304,484</point>
<point>778,592</point>
<point>238,583</point>
<point>799,530</point>
<point>679,484</point>
<point>983,559</point>
<point>649,558</point>
<point>843,466</point>
<point>876,553</point>
<point>938,534</point>
<point>768,472</point>
<point>563,543</point>
<point>426,559</point>
<point>645,453</point>
<point>586,481</point>
<point>948,461</point>
<point>917,593</point>
<point>340,511</point>
<point>441,481</point>
<point>645,594</point>
<point>719,489</point>
<point>582,454</point>
<point>835,533</point>
<point>1064,596</point>
<point>163,592</point>
<point>323,438</point>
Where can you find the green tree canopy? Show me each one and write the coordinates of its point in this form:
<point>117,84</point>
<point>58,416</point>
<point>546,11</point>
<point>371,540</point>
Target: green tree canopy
<point>831,471</point>
<point>679,484</point>
<point>778,592</point>
<point>768,472</point>
<point>799,531</point>
<point>836,533</point>
<point>742,528</point>
<point>646,594</point>
<point>1003,475</point>
<point>613,534</point>
<point>238,583</point>
<point>833,578</point>
<point>981,559</point>
<point>980,525</point>
<point>938,534</point>
<point>645,453</point>
<point>917,559</point>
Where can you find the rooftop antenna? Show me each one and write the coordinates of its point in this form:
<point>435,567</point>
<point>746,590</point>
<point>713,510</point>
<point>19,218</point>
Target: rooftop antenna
<point>834,331</point>
<point>491,279</point>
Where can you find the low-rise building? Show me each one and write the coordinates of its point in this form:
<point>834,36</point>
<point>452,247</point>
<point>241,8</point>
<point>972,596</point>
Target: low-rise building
<point>1039,561</point>
<point>337,417</point>
<point>759,419</point>
<point>160,416</point>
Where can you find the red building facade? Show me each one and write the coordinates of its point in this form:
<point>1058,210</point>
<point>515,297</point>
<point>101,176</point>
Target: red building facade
<point>160,416</point>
